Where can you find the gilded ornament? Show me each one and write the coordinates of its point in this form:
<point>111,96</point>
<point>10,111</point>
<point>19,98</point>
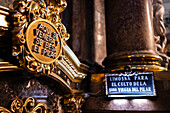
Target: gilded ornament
<point>27,105</point>
<point>73,103</point>
<point>38,34</point>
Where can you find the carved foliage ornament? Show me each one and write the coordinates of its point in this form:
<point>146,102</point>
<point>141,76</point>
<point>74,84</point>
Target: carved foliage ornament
<point>26,105</point>
<point>73,103</point>
<point>38,34</point>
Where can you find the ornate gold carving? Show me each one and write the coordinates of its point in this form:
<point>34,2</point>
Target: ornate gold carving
<point>73,103</point>
<point>4,12</point>
<point>32,21</point>
<point>6,66</point>
<point>71,66</point>
<point>38,52</point>
<point>25,105</point>
<point>41,38</point>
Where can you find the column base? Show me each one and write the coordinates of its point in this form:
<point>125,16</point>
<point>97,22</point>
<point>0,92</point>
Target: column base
<point>137,62</point>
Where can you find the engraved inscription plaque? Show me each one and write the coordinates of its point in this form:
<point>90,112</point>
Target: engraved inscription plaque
<point>43,41</point>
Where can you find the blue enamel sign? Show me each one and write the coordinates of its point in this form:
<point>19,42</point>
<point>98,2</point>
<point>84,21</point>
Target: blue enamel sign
<point>130,85</point>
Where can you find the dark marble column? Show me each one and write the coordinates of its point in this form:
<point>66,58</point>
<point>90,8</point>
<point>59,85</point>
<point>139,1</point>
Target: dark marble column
<point>129,34</point>
<point>79,40</point>
<point>88,34</point>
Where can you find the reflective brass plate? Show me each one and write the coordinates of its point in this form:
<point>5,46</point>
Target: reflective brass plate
<point>43,41</point>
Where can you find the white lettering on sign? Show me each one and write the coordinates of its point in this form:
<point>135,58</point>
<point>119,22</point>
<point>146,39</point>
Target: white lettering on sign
<point>137,84</point>
<point>141,77</point>
<point>123,78</point>
<point>124,89</point>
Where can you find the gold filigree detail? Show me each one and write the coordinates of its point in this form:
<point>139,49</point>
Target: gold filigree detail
<point>25,13</point>
<point>4,110</point>
<point>27,105</point>
<point>73,103</point>
<point>17,106</point>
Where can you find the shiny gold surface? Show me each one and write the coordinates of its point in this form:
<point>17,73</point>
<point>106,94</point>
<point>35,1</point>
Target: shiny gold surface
<point>138,62</point>
<point>35,45</point>
<point>73,103</point>
<point>66,65</point>
<point>6,66</point>
<point>146,56</point>
<point>53,48</point>
<point>27,105</point>
<point>29,42</point>
<point>4,12</point>
<point>97,77</point>
<point>35,24</point>
<point>46,13</point>
<point>141,68</point>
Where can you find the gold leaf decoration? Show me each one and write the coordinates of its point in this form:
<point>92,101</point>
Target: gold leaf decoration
<point>73,103</point>
<point>24,14</point>
<point>27,105</point>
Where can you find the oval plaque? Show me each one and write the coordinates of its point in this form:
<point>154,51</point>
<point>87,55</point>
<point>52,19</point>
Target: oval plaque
<point>43,41</point>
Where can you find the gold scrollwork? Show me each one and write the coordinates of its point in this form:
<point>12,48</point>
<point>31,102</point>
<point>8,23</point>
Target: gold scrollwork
<point>73,103</point>
<point>25,12</point>
<point>17,106</point>
<point>27,105</point>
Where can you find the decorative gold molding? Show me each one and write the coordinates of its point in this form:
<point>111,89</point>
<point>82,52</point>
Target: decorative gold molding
<point>138,62</point>
<point>6,66</point>
<point>4,12</point>
<point>27,105</point>
<point>28,16</point>
<point>68,53</point>
<point>73,103</point>
<point>71,66</point>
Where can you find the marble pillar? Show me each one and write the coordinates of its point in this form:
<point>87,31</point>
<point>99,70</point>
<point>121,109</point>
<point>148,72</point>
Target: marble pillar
<point>79,40</point>
<point>129,34</point>
<point>99,31</point>
<point>88,37</point>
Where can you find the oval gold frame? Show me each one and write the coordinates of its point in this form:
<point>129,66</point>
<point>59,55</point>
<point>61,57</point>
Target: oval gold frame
<point>60,50</point>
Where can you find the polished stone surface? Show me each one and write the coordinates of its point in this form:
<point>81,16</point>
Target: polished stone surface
<point>129,27</point>
<point>99,31</point>
<point>79,36</point>
<point>129,36</point>
<point>87,24</point>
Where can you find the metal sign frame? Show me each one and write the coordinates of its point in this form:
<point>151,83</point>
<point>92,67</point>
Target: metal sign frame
<point>130,93</point>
